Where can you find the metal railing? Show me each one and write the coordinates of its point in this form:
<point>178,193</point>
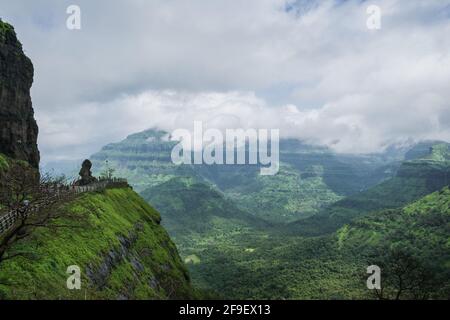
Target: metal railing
<point>8,220</point>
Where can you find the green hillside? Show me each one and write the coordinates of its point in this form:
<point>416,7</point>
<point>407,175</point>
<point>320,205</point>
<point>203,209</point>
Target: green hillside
<point>121,249</point>
<point>202,222</point>
<point>420,233</point>
<point>422,226</point>
<point>334,266</point>
<point>236,255</point>
<point>414,179</point>
<point>193,207</point>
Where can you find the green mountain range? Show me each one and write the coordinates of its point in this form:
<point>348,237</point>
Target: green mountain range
<point>310,177</point>
<point>414,179</point>
<point>293,235</point>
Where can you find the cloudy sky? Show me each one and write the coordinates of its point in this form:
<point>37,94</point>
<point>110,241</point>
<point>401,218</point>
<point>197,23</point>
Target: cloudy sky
<point>313,69</point>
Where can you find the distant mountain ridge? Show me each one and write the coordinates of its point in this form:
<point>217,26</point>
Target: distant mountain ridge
<point>415,178</point>
<point>310,176</point>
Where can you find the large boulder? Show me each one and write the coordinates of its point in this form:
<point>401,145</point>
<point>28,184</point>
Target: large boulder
<point>86,174</point>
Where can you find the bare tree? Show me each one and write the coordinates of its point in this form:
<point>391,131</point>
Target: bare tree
<point>30,201</point>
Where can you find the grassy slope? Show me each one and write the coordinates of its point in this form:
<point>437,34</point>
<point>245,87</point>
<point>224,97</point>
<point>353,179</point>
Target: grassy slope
<point>106,215</point>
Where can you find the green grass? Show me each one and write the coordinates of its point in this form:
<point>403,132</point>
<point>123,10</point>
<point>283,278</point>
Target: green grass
<point>105,216</point>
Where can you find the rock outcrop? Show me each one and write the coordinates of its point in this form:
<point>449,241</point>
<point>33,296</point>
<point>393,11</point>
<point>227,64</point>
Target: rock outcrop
<point>86,174</point>
<point>18,128</point>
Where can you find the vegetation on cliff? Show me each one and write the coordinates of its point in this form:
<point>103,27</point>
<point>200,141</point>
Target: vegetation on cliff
<point>6,31</point>
<point>121,249</point>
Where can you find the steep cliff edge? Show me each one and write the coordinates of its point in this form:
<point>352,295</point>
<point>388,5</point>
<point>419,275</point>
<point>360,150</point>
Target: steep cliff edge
<point>18,128</point>
<point>121,251</point>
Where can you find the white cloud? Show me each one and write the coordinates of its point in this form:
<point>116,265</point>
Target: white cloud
<point>316,73</point>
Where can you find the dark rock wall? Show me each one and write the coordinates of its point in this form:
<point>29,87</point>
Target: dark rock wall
<point>18,128</point>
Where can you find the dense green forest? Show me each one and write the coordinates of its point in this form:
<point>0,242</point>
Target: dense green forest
<point>309,232</point>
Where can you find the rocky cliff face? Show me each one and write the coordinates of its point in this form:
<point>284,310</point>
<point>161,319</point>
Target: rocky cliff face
<point>18,128</point>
